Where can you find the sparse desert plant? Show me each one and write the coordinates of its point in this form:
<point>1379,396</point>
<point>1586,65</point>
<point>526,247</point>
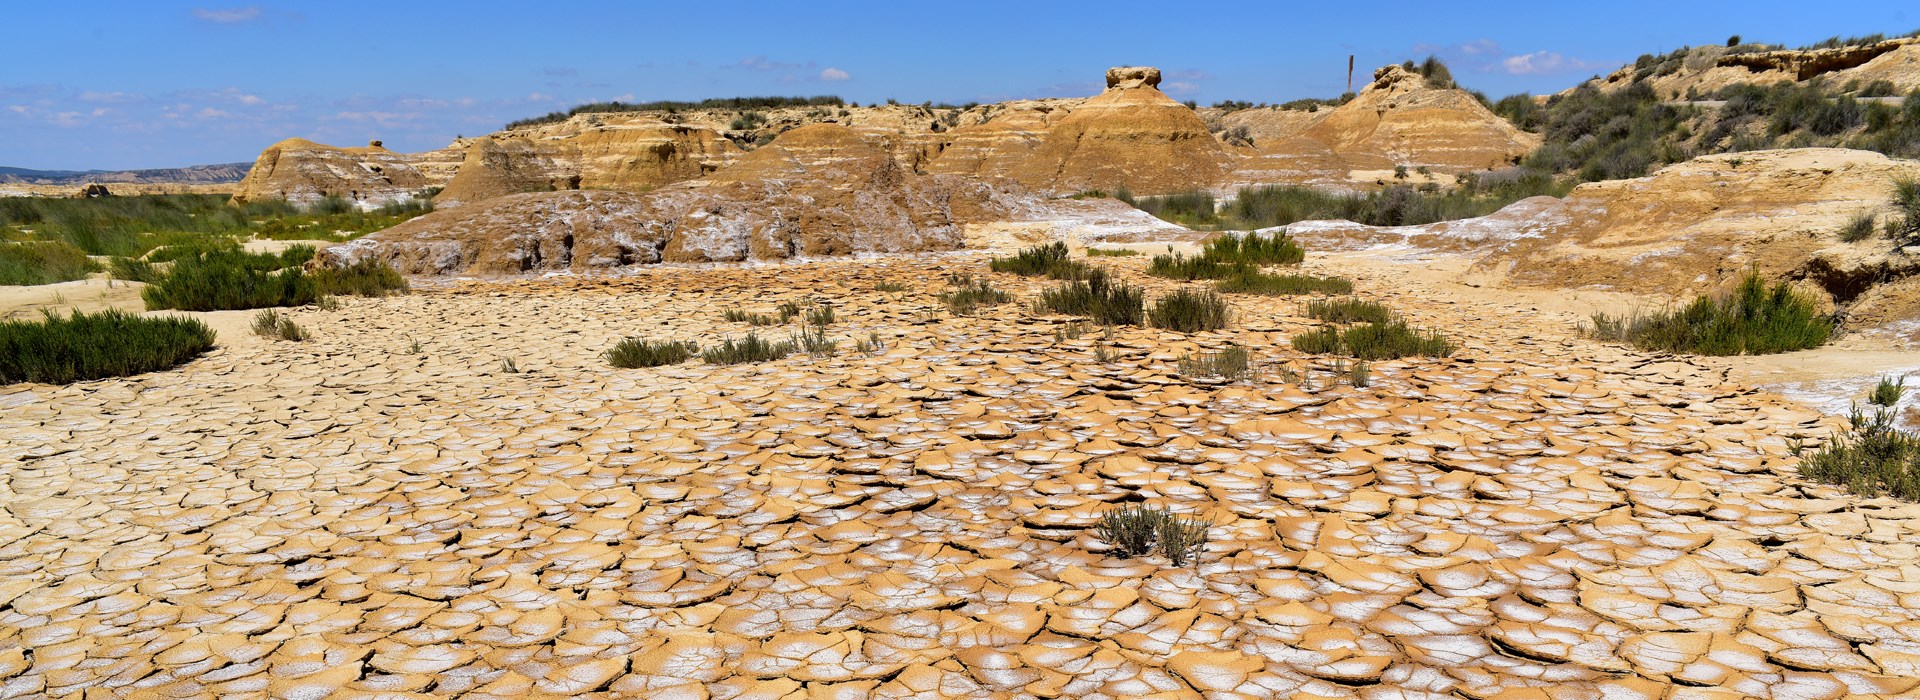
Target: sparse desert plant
<point>1251,248</point>
<point>1182,539</point>
<point>812,340</point>
<point>1374,341</point>
<point>790,309</point>
<point>1051,260</point>
<point>132,270</point>
<point>366,278</point>
<point>63,349</point>
<point>971,295</point>
<point>1348,310</point>
<point>1190,311</point>
<point>414,347</point>
<point>1360,375</point>
<point>43,262</point>
<point>1233,363</point>
<point>1888,392</point>
<point>1905,227</point>
<point>632,353</point>
<point>1857,230</point>
<point>327,303</point>
<point>508,366</point>
<point>752,348</point>
<point>1324,340</point>
<point>872,345</point>
<point>1754,319</point>
<point>1132,530</point>
<point>1099,296</point>
<point>752,318</point>
<point>1111,252</point>
<point>1248,281</point>
<point>270,323</point>
<point>820,315</point>
<point>1101,354</point>
<point>890,287</point>
<point>1873,458</point>
<point>1179,266</point>
<point>1071,330</point>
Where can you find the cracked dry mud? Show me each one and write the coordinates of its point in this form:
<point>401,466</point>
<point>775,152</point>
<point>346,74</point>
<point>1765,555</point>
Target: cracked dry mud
<point>1537,517</point>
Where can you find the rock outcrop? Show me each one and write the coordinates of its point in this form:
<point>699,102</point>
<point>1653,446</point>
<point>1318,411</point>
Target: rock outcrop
<point>1130,134</point>
<point>1701,71</point>
<point>1692,227</point>
<point>304,172</point>
<point>631,156</point>
<point>1397,120</point>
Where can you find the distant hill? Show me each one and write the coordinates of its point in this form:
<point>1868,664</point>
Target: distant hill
<point>208,174</point>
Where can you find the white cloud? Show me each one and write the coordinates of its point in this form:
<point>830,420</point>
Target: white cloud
<point>1480,47</point>
<point>237,15</point>
<point>834,75</point>
<point>1545,63</point>
<point>1179,87</point>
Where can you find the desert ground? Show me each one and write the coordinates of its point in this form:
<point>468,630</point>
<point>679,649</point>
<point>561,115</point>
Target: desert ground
<point>384,510</point>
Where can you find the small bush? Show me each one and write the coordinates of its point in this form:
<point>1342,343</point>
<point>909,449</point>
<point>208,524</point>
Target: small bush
<point>132,270</point>
<point>753,319</point>
<point>1099,297</point>
<point>112,343</point>
<point>1248,281</point>
<point>37,262</point>
<point>752,348</point>
<point>366,278</point>
<point>1361,374</point>
<point>1051,260</point>
<point>1753,320</point>
<point>973,295</point>
<point>1181,267</point>
<point>1190,311</point>
<point>1193,209</point>
<point>1233,363</point>
<point>890,287</point>
<point>1888,392</point>
<point>1348,310</point>
<point>225,279</point>
<point>1182,539</point>
<point>1874,458</point>
<point>1905,228</point>
<point>270,323</point>
<point>631,353</point>
<point>1111,252</point>
<point>508,366</point>
<point>1374,341</point>
<point>1860,229</point>
<point>1138,530</point>
<point>812,340</point>
<point>1255,249</point>
<point>872,345</point>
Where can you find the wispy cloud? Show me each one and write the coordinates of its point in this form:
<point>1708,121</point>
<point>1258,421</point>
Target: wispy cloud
<point>1547,63</point>
<point>237,15</point>
<point>834,75</point>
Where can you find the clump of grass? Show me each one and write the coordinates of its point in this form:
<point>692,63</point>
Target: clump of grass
<point>1276,248</point>
<point>508,366</point>
<point>270,323</point>
<point>1374,341</point>
<point>631,353</point>
<point>1233,363</point>
<point>1360,375</point>
<point>820,315</point>
<point>1071,330</point>
<point>132,270</point>
<point>1180,266</point>
<point>1754,319</point>
<point>890,287</point>
<point>812,340</point>
<point>1249,281</point>
<point>872,345</point>
<point>1857,230</point>
<point>43,262</point>
<point>1349,310</point>
<point>1051,260</point>
<point>1190,311</point>
<point>971,295</point>
<point>1098,296</point>
<point>365,278</point>
<point>1874,458</point>
<point>752,348</point>
<point>1888,392</point>
<point>1111,252</point>
<point>111,343</point>
<point>752,318</point>
<point>1905,227</point>
<point>213,280</point>
<point>1138,530</point>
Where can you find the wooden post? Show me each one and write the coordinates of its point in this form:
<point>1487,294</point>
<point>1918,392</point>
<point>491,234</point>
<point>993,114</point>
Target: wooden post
<point>1349,72</point>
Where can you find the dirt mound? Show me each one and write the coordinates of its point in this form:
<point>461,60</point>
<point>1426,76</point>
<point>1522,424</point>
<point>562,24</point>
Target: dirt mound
<point>1690,228</point>
<point>303,172</point>
<point>1703,70</point>
<point>1397,120</point>
<point>1130,134</point>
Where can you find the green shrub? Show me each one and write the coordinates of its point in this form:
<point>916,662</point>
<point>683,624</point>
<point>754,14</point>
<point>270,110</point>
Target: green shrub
<point>43,262</point>
<point>1233,363</point>
<point>1905,227</point>
<point>872,345</point>
<point>217,280</point>
<point>820,315</point>
<point>1138,530</point>
<point>1051,260</point>
<point>1276,248</point>
<point>1099,297</point>
<point>112,343</point>
<point>1192,209</point>
<point>1874,458</point>
<point>749,349</point>
<point>633,353</point>
<point>1256,282</point>
<point>812,340</point>
<point>1361,374</point>
<point>1857,230</point>
<point>1182,539</point>
<point>270,323</point>
<point>1753,320</point>
<point>1888,391</point>
<point>890,287</point>
<point>1348,310</point>
<point>1190,311</point>
<point>132,270</point>
<point>1111,252</point>
<point>1374,341</point>
<point>366,278</point>
<point>972,295</point>
<point>1181,267</point>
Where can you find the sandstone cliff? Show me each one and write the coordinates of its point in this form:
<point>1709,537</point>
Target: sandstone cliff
<point>303,172</point>
<point>1690,228</point>
<point>632,155</point>
<point>1702,70</point>
<point>1397,120</point>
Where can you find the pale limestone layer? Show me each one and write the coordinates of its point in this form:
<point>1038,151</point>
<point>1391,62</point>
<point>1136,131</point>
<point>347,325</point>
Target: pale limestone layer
<point>1539,516</point>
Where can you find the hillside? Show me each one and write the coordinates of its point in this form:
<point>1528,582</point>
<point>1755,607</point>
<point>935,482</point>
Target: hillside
<point>197,174</point>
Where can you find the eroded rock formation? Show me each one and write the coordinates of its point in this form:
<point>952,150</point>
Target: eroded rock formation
<point>1703,70</point>
<point>635,156</point>
<point>304,172</point>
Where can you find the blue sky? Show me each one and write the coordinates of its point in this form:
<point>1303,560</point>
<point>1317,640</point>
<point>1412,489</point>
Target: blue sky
<point>107,84</point>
